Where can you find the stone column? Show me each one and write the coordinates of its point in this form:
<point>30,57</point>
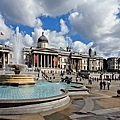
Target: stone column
<point>3,60</point>
<point>57,62</point>
<point>51,61</point>
<point>33,60</point>
<point>8,58</point>
<point>60,61</point>
<point>44,61</point>
<point>54,62</point>
<point>71,63</point>
<point>41,61</point>
<point>37,60</point>
<point>48,61</point>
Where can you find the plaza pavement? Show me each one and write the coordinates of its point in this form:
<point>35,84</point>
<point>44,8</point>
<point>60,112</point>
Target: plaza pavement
<point>98,105</point>
<point>101,104</point>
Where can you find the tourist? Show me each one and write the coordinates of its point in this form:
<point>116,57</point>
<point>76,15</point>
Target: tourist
<point>118,93</point>
<point>101,84</point>
<point>76,79</point>
<point>90,80</point>
<point>108,84</point>
<point>80,79</point>
<point>104,84</point>
<point>97,79</point>
<point>54,78</point>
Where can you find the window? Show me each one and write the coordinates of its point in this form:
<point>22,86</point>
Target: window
<point>84,67</point>
<point>64,66</point>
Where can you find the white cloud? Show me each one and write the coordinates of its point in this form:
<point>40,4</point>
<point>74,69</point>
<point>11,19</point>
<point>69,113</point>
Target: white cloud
<point>64,28</point>
<point>55,39</point>
<point>36,34</point>
<point>20,40</point>
<point>96,20</point>
<point>93,19</point>
<point>4,29</point>
<point>20,11</point>
<point>26,12</point>
<point>57,7</point>
<point>28,40</point>
<point>81,47</point>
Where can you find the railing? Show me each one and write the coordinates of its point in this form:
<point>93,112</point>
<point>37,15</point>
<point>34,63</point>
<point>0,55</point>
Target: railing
<point>45,76</point>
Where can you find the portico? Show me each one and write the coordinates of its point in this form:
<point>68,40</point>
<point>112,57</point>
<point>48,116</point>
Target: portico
<point>45,60</point>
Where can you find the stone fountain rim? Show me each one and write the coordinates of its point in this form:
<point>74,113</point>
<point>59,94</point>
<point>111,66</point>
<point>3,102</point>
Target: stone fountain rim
<point>17,75</point>
<point>17,65</point>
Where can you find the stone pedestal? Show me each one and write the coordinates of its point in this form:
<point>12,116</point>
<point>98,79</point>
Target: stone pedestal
<point>18,79</point>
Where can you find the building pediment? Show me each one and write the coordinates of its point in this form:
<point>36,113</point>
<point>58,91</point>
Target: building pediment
<point>45,50</point>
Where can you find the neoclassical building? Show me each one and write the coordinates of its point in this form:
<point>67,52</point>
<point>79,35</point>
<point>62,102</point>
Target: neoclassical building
<point>113,64</point>
<point>47,59</point>
<point>4,56</point>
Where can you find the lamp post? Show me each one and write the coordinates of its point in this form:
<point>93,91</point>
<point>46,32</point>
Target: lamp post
<point>112,76</point>
<point>101,74</point>
<point>88,75</point>
<point>70,56</point>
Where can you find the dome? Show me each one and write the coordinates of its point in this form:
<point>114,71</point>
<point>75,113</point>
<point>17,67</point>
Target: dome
<point>42,38</point>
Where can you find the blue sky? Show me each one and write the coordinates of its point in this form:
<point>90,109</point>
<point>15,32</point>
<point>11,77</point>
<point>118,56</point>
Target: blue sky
<point>82,25</point>
<point>53,24</point>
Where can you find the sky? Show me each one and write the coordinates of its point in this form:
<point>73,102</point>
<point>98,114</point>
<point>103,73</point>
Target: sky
<point>81,24</point>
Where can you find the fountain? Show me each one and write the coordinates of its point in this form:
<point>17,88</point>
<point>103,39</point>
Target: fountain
<point>17,78</point>
<point>20,94</point>
<point>31,97</point>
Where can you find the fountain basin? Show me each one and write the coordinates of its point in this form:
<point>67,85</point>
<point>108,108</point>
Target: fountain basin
<point>38,98</point>
<point>11,107</point>
<point>17,79</point>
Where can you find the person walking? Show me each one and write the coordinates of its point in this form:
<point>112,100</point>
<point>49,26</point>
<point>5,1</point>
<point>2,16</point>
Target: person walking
<point>108,84</point>
<point>76,79</point>
<point>101,84</point>
<point>104,84</point>
<point>90,80</point>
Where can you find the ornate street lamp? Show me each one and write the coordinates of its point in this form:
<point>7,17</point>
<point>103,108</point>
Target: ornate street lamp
<point>101,73</point>
<point>69,61</point>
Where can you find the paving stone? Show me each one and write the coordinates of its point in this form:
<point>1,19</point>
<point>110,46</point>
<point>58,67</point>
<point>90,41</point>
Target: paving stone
<point>31,117</point>
<point>57,116</point>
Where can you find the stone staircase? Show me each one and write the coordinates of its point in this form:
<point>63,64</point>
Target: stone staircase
<point>57,77</point>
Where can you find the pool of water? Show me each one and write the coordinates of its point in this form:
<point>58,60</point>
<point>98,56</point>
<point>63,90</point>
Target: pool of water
<point>39,90</point>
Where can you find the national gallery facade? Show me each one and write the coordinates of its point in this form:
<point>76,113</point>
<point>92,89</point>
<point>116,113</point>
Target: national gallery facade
<point>44,58</point>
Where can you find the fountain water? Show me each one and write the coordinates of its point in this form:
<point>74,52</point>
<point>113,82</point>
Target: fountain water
<point>38,97</point>
<point>17,78</point>
<point>17,47</point>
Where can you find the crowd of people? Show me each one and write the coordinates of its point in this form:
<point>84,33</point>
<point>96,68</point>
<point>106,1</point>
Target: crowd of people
<point>103,84</point>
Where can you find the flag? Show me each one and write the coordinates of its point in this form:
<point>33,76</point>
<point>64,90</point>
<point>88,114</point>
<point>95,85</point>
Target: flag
<point>35,58</point>
<point>1,33</point>
<point>55,60</point>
